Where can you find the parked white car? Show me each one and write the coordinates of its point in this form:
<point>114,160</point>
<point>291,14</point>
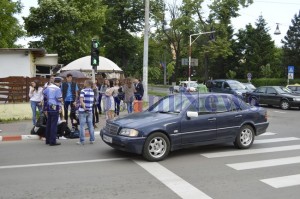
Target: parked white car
<point>192,88</point>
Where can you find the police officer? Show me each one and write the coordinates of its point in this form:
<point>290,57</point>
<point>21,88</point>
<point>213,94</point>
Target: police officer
<point>54,100</point>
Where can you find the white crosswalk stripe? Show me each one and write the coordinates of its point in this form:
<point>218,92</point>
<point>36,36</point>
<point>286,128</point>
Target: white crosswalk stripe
<point>251,151</point>
<point>267,134</point>
<point>264,141</point>
<point>284,181</point>
<point>265,163</point>
<point>277,182</point>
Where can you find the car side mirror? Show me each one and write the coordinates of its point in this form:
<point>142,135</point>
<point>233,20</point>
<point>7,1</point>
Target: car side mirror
<point>191,114</point>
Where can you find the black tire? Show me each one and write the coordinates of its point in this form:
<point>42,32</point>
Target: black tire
<point>245,137</point>
<point>284,105</point>
<point>156,147</point>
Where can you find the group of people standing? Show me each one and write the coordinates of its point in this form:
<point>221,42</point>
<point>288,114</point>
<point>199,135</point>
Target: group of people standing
<point>56,98</point>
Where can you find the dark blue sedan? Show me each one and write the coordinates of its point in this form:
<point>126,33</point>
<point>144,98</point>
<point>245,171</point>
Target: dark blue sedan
<point>186,120</point>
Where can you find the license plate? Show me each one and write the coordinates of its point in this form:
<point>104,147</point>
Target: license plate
<point>107,139</point>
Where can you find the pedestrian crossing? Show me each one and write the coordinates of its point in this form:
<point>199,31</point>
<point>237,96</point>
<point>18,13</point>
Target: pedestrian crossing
<point>276,181</point>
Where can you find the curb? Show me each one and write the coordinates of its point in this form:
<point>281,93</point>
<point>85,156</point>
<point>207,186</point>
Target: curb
<point>33,137</point>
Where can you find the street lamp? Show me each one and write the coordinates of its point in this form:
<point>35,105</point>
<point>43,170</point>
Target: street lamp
<point>277,31</point>
<point>190,50</point>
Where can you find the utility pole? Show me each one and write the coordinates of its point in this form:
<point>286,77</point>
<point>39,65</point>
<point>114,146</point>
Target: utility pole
<point>146,46</point>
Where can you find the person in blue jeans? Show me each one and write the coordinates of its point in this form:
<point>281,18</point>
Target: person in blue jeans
<point>86,112</point>
<point>36,99</point>
<point>70,95</point>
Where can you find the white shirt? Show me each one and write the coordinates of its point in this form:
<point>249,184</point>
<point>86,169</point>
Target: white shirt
<point>36,96</point>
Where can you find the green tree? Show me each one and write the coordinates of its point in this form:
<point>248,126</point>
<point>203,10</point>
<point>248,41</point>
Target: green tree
<point>65,27</point>
<point>124,21</point>
<point>255,49</point>
<point>266,71</point>
<point>291,45</point>
<point>231,74</point>
<point>10,29</point>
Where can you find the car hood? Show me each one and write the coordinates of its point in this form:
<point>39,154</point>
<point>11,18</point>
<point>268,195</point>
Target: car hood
<point>143,119</point>
<point>290,95</point>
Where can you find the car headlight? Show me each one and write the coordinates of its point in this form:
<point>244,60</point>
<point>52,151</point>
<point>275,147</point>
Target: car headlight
<point>238,93</point>
<point>129,132</point>
<point>297,99</point>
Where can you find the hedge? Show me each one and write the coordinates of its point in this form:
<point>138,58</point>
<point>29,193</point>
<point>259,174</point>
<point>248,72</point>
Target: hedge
<point>271,81</point>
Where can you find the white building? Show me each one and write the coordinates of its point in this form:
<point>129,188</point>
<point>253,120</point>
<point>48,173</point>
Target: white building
<point>26,62</point>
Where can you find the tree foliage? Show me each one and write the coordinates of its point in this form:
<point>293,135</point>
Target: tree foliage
<point>291,45</point>
<point>65,27</point>
<point>255,49</point>
<point>10,29</point>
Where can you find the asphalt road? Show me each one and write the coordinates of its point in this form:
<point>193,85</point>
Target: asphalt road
<point>31,169</point>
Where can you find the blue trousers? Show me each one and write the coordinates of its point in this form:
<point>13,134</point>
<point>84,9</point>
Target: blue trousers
<point>35,105</point>
<point>51,130</point>
<point>86,118</point>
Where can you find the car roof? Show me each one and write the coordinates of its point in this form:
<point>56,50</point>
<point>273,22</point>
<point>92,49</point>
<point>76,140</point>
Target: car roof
<point>226,80</point>
<point>201,95</point>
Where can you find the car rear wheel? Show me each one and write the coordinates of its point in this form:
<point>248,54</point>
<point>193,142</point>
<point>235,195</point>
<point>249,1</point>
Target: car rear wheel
<point>157,147</point>
<point>245,137</point>
<point>284,104</point>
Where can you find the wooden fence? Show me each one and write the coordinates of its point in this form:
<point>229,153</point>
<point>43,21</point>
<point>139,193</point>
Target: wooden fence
<point>16,89</point>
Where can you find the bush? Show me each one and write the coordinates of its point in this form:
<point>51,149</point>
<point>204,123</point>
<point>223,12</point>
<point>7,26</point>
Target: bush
<point>271,81</point>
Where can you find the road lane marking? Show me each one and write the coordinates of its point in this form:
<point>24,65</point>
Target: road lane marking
<point>264,163</point>
<point>285,181</point>
<point>264,141</point>
<point>59,163</point>
<point>178,185</point>
<point>279,112</point>
<point>267,133</point>
<point>250,151</point>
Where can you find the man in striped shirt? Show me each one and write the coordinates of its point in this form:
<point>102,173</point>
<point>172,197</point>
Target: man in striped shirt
<point>85,111</point>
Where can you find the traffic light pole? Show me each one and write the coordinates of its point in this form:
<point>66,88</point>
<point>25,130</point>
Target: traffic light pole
<point>93,75</point>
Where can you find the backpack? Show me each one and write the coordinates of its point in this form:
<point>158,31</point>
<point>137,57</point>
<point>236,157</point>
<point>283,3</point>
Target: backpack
<point>74,133</point>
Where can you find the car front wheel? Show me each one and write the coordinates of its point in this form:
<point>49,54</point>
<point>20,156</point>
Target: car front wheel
<point>157,147</point>
<point>245,137</point>
<point>284,104</point>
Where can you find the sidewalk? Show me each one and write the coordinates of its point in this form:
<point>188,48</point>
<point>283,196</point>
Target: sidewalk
<point>20,130</point>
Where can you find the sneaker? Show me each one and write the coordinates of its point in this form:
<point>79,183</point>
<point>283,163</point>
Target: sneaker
<point>92,142</point>
<point>63,138</point>
<point>80,143</point>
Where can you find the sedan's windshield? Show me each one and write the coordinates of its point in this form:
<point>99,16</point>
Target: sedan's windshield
<point>283,90</point>
<point>235,85</point>
<point>249,87</point>
<point>172,104</point>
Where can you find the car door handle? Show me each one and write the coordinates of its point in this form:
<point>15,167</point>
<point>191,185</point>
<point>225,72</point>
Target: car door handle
<point>237,116</point>
<point>212,119</point>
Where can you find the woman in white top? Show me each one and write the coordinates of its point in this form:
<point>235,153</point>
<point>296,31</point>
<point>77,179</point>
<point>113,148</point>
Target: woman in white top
<point>36,98</point>
<point>110,102</point>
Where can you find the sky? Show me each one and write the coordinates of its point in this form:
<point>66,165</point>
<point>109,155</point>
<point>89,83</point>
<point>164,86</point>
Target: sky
<point>273,11</point>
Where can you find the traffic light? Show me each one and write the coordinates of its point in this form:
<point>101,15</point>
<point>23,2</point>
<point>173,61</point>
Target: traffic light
<point>95,54</point>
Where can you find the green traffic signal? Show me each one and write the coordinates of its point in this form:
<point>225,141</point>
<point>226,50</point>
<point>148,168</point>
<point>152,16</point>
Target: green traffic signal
<point>95,52</point>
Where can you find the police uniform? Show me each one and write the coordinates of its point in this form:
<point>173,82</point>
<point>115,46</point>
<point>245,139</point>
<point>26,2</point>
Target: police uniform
<point>53,95</point>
